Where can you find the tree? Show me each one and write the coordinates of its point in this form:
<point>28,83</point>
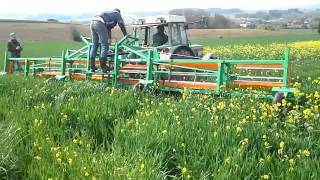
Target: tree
<point>208,20</point>
<point>319,28</point>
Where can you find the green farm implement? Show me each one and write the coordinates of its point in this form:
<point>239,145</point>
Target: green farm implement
<point>173,66</point>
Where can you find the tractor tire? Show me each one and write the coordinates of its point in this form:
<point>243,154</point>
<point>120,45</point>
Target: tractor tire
<point>138,87</point>
<point>278,97</point>
<point>210,56</point>
<point>181,52</point>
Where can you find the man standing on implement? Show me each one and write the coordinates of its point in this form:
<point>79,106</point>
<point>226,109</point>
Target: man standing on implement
<point>101,26</point>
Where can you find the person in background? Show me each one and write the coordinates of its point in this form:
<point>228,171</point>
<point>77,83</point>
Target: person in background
<point>101,26</point>
<point>14,49</point>
<point>160,38</point>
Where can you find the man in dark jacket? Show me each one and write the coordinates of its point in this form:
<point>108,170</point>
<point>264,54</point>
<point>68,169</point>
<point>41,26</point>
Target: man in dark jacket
<point>14,49</point>
<point>160,38</point>
<point>101,26</point>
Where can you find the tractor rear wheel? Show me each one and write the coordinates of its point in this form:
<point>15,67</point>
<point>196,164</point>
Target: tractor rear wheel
<point>182,52</point>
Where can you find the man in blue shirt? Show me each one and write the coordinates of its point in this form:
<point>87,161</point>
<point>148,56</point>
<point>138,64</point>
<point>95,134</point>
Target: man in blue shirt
<point>101,26</point>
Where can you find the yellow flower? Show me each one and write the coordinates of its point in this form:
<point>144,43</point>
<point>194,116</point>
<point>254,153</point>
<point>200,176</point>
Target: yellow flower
<point>164,131</point>
<point>184,170</point>
<point>292,162</point>
<point>58,154</point>
<point>37,158</point>
<point>227,160</point>
<point>281,145</point>
<point>70,161</point>
<point>291,169</point>
<point>215,134</point>
<point>239,130</point>
<point>306,153</point>
<point>261,161</point>
<point>141,167</point>
<point>86,174</point>
<point>245,141</point>
<point>266,177</point>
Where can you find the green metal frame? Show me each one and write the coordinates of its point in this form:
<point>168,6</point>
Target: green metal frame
<point>151,58</point>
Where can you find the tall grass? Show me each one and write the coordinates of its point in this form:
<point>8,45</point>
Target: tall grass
<point>86,130</point>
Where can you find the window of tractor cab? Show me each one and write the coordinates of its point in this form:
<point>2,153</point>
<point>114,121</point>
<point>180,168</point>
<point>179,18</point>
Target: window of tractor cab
<point>179,35</point>
<point>146,34</point>
<point>154,36</point>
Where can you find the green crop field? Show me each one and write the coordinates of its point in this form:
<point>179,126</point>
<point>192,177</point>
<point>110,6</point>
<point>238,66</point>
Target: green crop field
<point>257,40</point>
<point>87,130</point>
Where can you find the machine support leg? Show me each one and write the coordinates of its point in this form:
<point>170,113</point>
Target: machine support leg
<point>26,67</point>
<point>149,66</point>
<point>5,65</point>
<point>286,68</point>
<point>63,64</point>
<point>116,67</point>
<point>219,77</point>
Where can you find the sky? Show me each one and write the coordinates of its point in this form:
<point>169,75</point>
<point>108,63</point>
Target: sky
<point>33,7</point>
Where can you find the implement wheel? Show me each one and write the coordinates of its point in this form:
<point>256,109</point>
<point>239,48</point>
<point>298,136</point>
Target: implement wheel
<point>278,97</point>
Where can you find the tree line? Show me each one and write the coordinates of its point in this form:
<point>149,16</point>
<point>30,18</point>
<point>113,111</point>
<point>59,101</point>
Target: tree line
<point>204,19</point>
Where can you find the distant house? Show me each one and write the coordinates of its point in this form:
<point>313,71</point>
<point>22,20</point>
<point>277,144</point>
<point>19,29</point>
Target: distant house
<point>248,25</point>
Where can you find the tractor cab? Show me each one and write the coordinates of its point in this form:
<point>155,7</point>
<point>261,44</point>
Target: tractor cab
<point>165,32</point>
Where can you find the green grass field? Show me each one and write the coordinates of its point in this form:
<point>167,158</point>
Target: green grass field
<point>42,49</point>
<point>257,40</point>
